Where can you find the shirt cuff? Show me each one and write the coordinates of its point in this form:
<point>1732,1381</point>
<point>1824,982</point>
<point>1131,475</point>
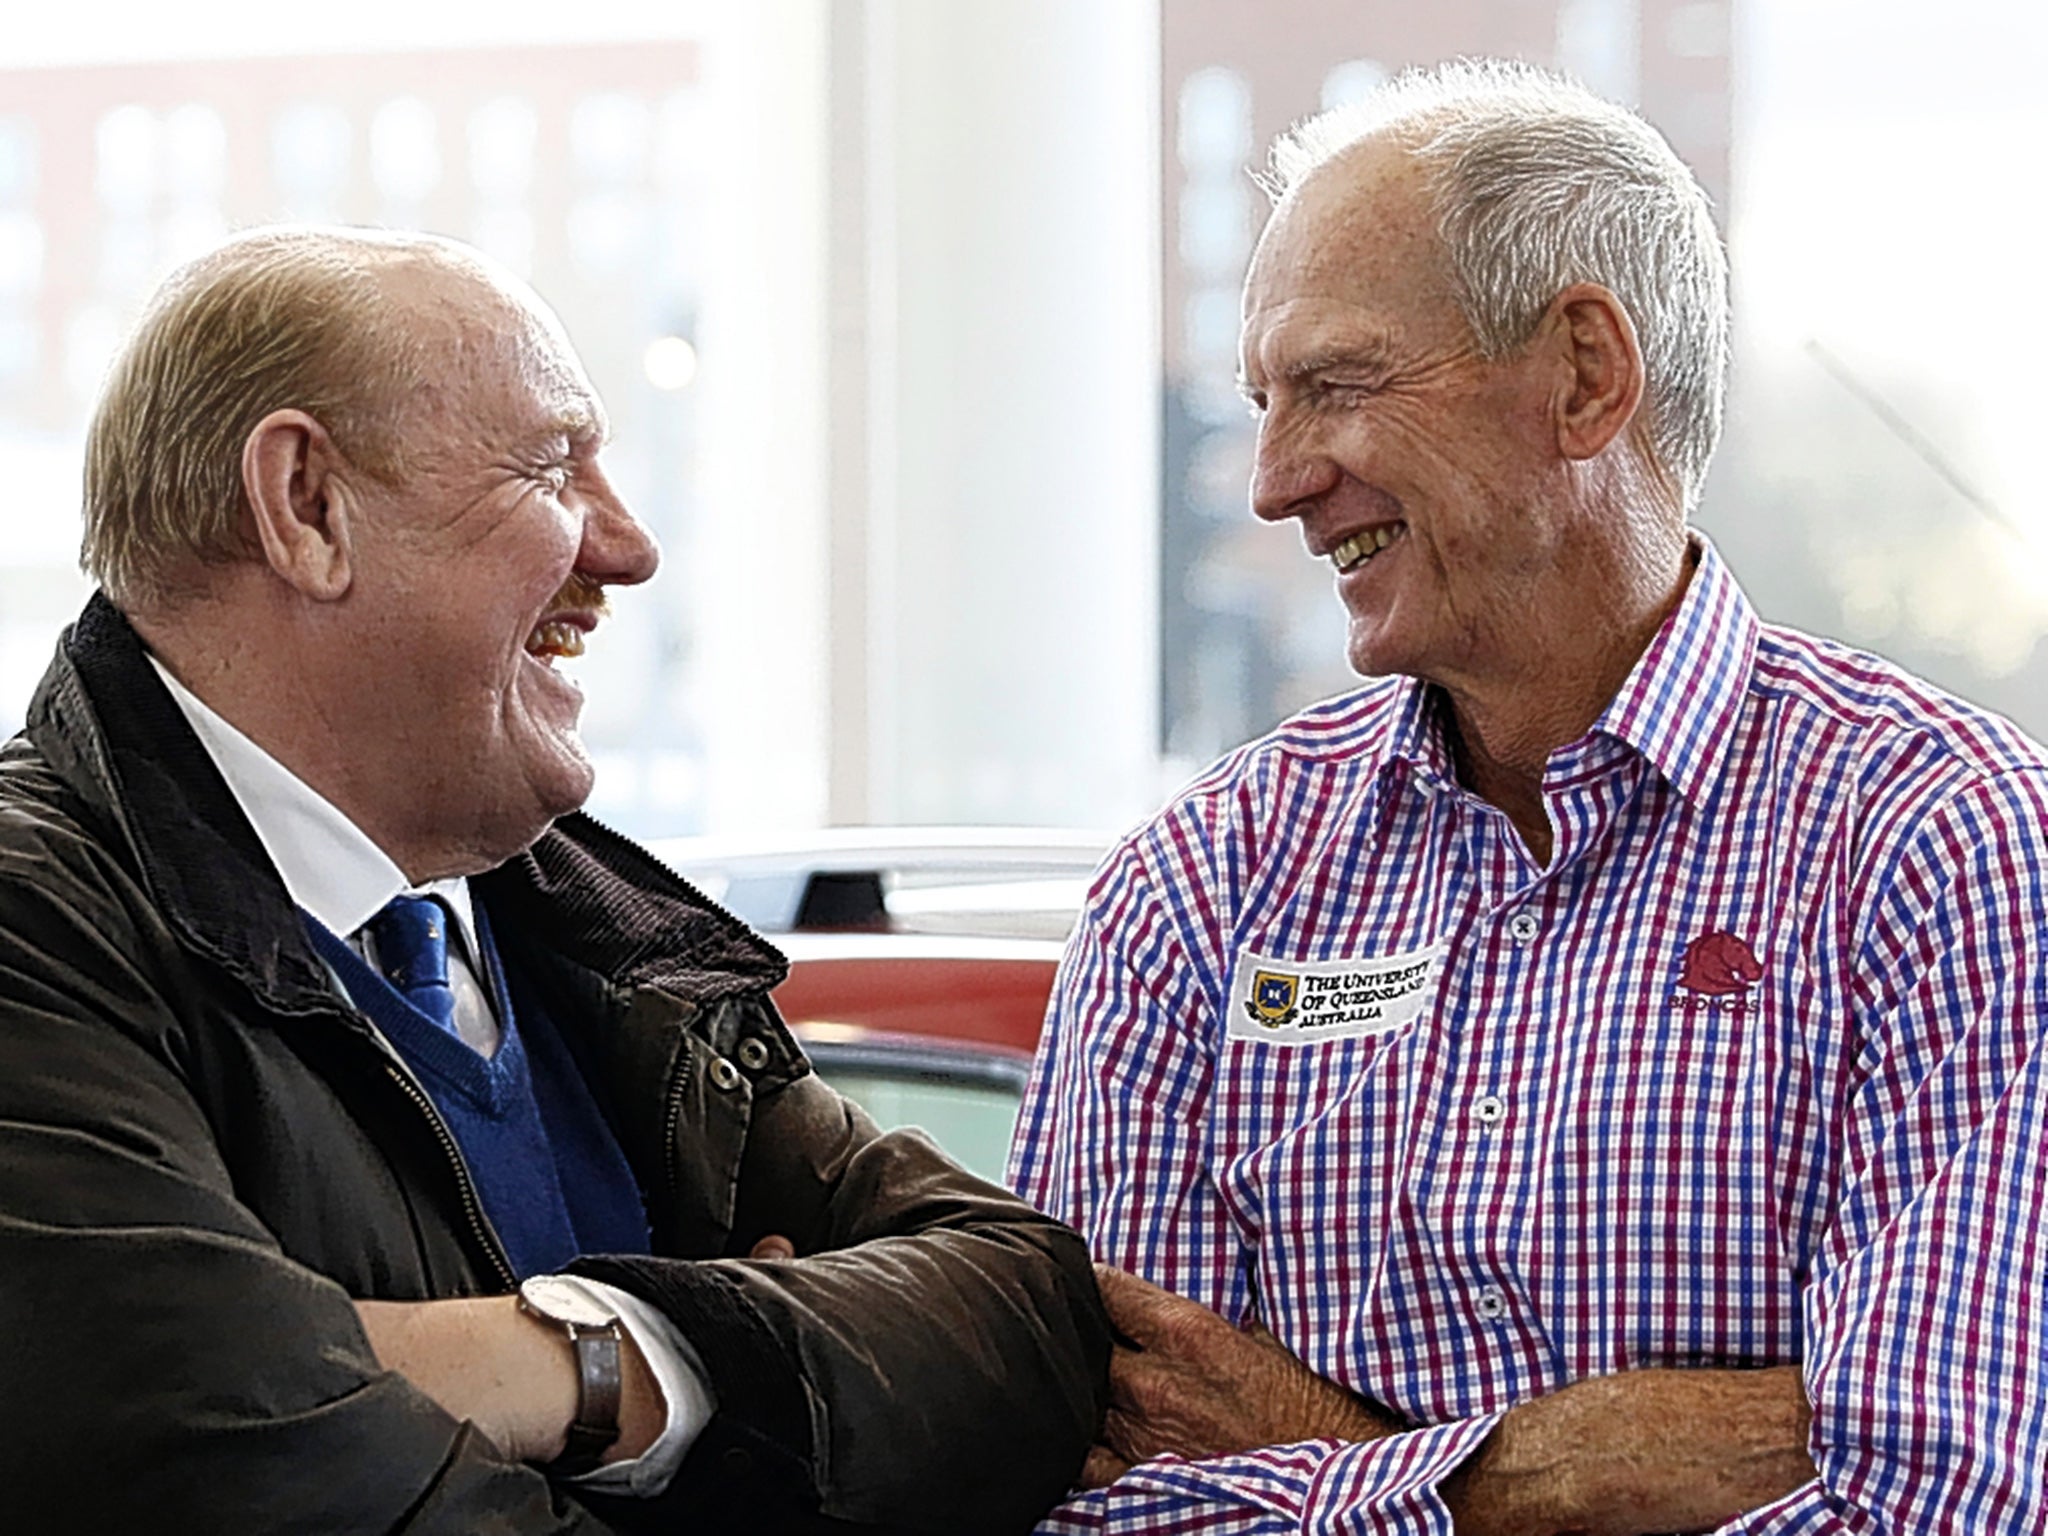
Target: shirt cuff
<point>1315,1488</point>
<point>1399,1478</point>
<point>679,1374</point>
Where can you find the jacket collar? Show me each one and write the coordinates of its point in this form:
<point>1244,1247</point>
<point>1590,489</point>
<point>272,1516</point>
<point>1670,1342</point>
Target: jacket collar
<point>106,724</point>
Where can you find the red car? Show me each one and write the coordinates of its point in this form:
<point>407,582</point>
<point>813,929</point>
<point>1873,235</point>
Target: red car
<point>920,961</point>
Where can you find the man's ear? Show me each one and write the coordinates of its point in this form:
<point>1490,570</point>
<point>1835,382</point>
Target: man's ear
<point>1603,378</point>
<point>296,482</point>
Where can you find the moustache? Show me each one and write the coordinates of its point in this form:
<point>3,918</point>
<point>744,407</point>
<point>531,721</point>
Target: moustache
<point>579,593</point>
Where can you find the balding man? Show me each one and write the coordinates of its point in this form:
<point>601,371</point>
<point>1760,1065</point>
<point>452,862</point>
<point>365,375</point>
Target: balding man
<point>1615,1027</point>
<point>384,1146</point>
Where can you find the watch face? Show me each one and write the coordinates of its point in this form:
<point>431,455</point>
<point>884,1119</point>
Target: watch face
<point>553,1297</point>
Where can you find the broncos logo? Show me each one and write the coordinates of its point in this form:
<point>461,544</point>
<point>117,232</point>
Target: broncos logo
<point>1718,964</point>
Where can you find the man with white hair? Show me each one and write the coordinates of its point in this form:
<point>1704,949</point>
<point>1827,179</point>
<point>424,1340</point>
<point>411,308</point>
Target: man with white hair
<point>1590,1078</point>
<point>384,1145</point>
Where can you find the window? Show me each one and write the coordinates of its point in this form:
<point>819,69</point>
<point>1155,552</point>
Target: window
<point>548,158</point>
<point>1868,167</point>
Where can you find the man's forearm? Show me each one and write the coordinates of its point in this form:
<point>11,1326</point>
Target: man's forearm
<point>513,1375</point>
<point>1639,1451</point>
<point>1182,1380</point>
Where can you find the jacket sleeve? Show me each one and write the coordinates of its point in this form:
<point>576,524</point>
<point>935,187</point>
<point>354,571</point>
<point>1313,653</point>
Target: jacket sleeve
<point>935,1359</point>
<point>166,1366</point>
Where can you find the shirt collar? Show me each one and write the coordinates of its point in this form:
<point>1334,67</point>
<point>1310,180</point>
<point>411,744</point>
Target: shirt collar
<point>328,864</point>
<point>1677,709</point>
<point>1680,703</point>
<point>1417,737</point>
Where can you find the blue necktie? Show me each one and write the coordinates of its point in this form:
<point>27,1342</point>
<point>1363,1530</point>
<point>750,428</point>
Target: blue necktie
<point>412,951</point>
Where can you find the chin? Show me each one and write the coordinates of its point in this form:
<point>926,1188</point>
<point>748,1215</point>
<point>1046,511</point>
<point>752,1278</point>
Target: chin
<point>528,803</point>
<point>565,785</point>
<point>1381,647</point>
<point>1376,660</point>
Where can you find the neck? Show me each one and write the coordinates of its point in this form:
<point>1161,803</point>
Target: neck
<point>266,680</point>
<point>1503,730</point>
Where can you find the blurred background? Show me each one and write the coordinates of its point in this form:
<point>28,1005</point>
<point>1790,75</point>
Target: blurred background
<point>916,319</point>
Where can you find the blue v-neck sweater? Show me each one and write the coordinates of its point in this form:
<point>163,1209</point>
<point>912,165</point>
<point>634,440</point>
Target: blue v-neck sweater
<point>545,1163</point>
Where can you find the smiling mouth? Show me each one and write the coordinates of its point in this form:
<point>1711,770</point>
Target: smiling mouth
<point>556,637</point>
<point>1355,551</point>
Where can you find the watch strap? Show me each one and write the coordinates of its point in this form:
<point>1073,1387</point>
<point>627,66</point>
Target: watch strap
<point>597,1400</point>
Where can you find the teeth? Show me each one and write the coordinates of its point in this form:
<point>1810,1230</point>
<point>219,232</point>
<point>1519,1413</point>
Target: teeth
<point>555,638</point>
<point>1361,547</point>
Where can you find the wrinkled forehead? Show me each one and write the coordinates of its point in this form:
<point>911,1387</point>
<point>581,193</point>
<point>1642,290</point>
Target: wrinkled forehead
<point>485,327</point>
<point>547,363</point>
<point>1362,217</point>
<point>1351,258</point>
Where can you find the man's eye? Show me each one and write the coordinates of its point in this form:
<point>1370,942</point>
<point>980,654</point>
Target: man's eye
<point>555,477</point>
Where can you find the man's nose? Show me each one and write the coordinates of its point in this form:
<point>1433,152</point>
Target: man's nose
<point>618,549</point>
<point>1289,469</point>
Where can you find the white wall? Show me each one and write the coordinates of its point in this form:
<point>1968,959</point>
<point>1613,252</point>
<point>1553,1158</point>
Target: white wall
<point>1011,454</point>
<point>759,567</point>
<point>928,578</point>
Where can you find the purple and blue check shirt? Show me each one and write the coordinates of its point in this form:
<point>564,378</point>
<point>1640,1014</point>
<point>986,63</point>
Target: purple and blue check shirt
<point>1749,1075</point>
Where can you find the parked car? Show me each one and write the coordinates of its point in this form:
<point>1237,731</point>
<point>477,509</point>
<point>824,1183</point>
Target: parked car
<point>921,960</point>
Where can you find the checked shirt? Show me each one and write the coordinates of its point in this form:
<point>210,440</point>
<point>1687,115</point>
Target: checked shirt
<point>1749,1075</point>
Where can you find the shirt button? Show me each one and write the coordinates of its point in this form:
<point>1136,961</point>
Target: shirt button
<point>1491,1110</point>
<point>724,1075</point>
<point>1523,927</point>
<point>1493,1303</point>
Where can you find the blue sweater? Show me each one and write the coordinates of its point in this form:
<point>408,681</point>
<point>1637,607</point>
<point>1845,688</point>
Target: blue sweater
<point>545,1163</point>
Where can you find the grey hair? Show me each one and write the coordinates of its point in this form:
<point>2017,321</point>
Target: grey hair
<point>1537,184</point>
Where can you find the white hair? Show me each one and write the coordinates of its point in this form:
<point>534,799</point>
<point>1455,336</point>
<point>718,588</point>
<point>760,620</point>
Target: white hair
<point>1536,184</point>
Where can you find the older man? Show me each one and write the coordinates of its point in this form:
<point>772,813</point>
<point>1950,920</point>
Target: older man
<point>1616,983</point>
<point>325,1025</point>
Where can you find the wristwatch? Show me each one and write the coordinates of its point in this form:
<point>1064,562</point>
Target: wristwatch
<point>594,1332</point>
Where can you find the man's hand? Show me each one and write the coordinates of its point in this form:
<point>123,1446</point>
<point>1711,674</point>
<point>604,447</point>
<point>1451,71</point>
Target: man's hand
<point>1641,1451</point>
<point>1189,1383</point>
<point>511,1374</point>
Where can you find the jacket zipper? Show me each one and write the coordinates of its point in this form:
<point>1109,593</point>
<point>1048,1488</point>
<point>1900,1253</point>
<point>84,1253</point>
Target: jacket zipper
<point>472,1207</point>
<point>672,1129</point>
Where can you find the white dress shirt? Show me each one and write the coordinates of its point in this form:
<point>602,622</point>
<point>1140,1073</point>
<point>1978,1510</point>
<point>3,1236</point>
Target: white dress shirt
<point>333,870</point>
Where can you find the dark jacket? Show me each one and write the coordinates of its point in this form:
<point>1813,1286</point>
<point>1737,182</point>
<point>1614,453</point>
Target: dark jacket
<point>205,1153</point>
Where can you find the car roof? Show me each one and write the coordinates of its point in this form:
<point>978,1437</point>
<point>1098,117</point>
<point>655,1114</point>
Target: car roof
<point>1014,881</point>
<point>982,992</point>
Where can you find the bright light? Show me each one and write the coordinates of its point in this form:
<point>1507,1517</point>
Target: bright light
<point>671,362</point>
<point>129,31</point>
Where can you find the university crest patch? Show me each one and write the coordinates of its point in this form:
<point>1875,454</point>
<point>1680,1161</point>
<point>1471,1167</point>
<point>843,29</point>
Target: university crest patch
<point>1272,999</point>
<point>1282,1001</point>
